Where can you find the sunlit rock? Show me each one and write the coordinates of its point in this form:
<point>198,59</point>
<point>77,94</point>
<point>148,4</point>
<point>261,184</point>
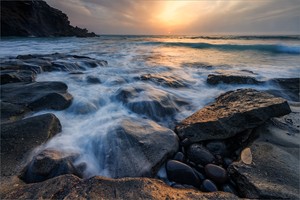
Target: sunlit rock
<point>232,113</point>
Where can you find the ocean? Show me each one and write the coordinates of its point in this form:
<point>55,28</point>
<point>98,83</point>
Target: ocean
<point>186,59</point>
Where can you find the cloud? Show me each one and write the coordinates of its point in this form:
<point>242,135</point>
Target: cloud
<point>182,16</point>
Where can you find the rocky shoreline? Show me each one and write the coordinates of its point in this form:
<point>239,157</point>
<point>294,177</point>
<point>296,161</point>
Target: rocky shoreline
<point>245,144</point>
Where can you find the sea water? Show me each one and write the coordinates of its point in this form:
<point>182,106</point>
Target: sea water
<point>189,59</point>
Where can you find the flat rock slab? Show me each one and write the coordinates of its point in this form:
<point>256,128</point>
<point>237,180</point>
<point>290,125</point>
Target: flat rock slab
<point>72,187</point>
<point>273,173</point>
<point>135,148</point>
<point>233,77</point>
<point>38,95</point>
<point>232,113</point>
<point>51,62</point>
<point>20,137</point>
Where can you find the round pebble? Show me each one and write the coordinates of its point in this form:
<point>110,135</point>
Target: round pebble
<point>199,154</point>
<point>179,156</point>
<point>216,173</point>
<point>182,173</point>
<point>229,188</point>
<point>208,186</point>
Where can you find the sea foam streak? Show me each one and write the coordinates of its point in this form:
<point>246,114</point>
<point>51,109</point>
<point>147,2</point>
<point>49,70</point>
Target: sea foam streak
<point>86,123</point>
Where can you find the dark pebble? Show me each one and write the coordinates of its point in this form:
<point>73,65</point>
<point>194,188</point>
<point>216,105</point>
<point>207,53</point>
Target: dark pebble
<point>178,186</point>
<point>227,162</point>
<point>216,173</point>
<point>200,155</point>
<point>200,175</point>
<point>179,156</point>
<point>185,142</point>
<point>217,147</point>
<point>182,173</point>
<point>208,186</point>
<point>93,79</point>
<point>229,188</point>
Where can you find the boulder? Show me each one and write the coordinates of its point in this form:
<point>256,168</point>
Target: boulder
<point>272,174</point>
<point>233,112</point>
<point>12,76</point>
<point>72,187</point>
<point>19,138</point>
<point>36,18</point>
<point>12,112</point>
<point>135,147</point>
<point>165,80</point>
<point>38,95</point>
<point>48,164</point>
<point>232,77</point>
<point>155,104</point>
<point>288,88</point>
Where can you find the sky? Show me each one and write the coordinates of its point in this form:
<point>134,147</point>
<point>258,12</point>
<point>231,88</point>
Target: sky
<point>183,17</point>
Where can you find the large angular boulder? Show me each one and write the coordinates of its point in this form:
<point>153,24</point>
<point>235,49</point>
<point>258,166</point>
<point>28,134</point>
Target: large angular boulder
<point>72,187</point>
<point>135,147</point>
<point>19,138</point>
<point>38,95</point>
<point>232,112</point>
<point>272,174</point>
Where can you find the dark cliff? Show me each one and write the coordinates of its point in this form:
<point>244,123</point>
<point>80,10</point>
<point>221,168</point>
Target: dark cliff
<point>36,18</point>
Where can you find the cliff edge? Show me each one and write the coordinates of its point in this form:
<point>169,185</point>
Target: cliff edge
<point>36,18</point>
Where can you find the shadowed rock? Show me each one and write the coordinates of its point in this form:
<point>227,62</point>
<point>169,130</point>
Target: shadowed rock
<point>288,88</point>
<point>48,164</point>
<point>232,77</point>
<point>273,174</point>
<point>232,113</point>
<point>20,137</point>
<point>12,76</point>
<point>12,112</point>
<point>135,148</point>
<point>153,103</point>
<point>38,63</point>
<point>72,187</point>
<point>38,95</point>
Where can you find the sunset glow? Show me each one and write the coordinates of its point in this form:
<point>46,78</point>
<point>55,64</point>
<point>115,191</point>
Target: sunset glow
<point>183,17</point>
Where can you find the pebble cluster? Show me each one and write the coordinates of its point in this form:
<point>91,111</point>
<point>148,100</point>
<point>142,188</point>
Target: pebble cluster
<point>202,166</point>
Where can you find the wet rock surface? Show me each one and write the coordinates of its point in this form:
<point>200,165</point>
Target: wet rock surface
<point>232,113</point>
<point>72,187</point>
<point>19,138</point>
<point>165,80</point>
<point>274,173</point>
<point>233,77</point>
<point>38,95</point>
<point>44,20</point>
<point>48,164</point>
<point>141,145</point>
<point>38,63</point>
<point>153,103</point>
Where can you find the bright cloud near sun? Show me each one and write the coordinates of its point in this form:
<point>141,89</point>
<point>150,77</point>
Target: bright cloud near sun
<point>183,16</point>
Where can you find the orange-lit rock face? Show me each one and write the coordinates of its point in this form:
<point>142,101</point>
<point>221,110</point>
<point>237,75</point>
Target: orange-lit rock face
<point>232,113</point>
